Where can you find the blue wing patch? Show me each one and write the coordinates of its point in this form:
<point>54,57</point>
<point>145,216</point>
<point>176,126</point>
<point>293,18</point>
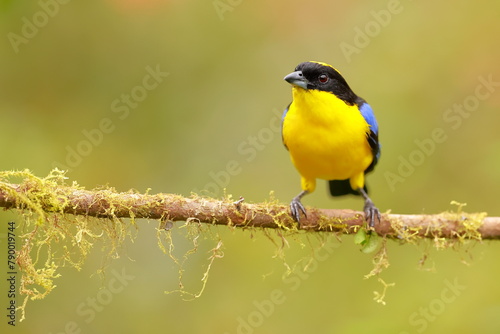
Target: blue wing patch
<point>367,112</point>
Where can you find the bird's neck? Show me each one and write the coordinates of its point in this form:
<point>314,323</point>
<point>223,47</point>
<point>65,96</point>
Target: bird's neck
<point>319,105</point>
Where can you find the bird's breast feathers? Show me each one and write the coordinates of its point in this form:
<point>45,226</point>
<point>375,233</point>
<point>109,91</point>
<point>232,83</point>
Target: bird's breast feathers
<point>326,137</point>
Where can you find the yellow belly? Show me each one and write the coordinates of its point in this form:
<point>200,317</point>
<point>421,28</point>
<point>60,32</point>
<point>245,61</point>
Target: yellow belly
<point>326,138</point>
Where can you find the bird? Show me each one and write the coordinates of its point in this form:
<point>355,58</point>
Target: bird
<point>331,134</point>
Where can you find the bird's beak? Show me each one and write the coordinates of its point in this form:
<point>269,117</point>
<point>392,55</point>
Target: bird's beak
<point>297,79</point>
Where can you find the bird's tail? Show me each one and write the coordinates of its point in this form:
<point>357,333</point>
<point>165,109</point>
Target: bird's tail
<point>342,187</point>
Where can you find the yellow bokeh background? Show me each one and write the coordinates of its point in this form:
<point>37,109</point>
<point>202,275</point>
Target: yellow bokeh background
<point>77,92</point>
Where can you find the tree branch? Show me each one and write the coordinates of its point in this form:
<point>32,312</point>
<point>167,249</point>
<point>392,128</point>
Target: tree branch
<point>50,197</point>
<point>56,231</point>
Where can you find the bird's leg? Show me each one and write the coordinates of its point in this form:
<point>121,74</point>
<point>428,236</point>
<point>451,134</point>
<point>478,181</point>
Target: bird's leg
<point>371,211</point>
<point>296,206</point>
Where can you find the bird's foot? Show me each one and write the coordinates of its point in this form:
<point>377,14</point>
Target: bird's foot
<point>371,214</point>
<point>296,207</point>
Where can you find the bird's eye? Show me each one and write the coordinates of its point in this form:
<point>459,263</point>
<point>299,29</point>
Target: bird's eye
<point>323,78</point>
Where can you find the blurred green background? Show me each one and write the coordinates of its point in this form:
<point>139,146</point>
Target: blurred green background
<point>76,91</point>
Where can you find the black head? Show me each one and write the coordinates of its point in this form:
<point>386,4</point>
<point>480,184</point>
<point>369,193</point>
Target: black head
<point>323,77</point>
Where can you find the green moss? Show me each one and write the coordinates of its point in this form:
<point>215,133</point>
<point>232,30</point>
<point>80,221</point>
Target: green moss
<point>470,223</point>
<point>329,224</point>
<point>379,297</point>
<point>195,232</point>
<point>380,261</point>
<point>53,239</point>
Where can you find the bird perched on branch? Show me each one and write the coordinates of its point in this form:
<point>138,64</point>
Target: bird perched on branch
<point>331,134</point>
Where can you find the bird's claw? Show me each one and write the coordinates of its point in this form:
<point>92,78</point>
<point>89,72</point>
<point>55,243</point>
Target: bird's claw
<point>296,207</point>
<point>371,214</point>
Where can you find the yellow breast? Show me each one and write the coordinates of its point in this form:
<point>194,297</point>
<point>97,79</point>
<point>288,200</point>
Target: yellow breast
<point>326,138</point>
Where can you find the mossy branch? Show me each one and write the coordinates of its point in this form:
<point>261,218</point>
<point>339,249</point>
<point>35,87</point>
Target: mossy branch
<point>49,197</point>
<point>61,223</point>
